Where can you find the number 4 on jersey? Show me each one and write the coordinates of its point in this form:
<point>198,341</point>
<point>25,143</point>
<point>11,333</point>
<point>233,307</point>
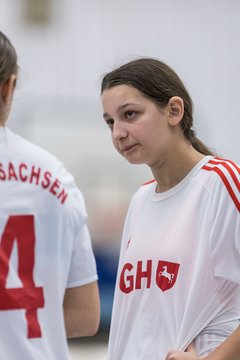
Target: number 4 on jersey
<point>20,228</point>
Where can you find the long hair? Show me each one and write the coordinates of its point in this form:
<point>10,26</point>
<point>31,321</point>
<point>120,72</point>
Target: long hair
<point>158,82</point>
<point>8,59</point>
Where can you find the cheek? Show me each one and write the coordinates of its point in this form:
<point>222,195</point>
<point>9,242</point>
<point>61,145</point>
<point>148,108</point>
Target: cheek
<point>115,144</point>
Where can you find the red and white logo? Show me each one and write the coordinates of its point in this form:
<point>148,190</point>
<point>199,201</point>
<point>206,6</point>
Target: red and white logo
<point>139,276</point>
<point>166,274</point>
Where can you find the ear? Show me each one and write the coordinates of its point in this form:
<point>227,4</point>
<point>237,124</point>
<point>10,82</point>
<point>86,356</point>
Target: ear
<point>7,90</point>
<point>175,110</point>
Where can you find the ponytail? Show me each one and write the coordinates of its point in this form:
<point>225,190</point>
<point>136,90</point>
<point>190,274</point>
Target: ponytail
<point>197,144</point>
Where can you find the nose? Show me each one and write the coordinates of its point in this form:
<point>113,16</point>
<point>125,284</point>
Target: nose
<point>119,131</point>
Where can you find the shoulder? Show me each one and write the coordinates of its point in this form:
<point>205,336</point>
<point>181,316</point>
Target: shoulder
<point>29,150</point>
<point>222,178</point>
<point>23,151</point>
<point>145,189</point>
<point>50,171</point>
<point>140,196</point>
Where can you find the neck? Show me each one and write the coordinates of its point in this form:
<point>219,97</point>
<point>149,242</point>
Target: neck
<point>2,123</point>
<point>171,170</point>
<point>3,117</point>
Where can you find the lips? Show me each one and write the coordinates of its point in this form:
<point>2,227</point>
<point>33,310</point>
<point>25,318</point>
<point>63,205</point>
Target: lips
<point>127,148</point>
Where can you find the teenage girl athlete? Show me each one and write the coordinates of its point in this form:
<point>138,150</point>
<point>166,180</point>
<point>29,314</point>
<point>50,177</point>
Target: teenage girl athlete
<point>179,269</point>
<point>48,279</point>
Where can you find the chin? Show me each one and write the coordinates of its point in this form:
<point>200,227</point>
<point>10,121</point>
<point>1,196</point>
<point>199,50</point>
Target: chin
<point>134,161</point>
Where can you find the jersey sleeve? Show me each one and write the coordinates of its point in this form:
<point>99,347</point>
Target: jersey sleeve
<point>225,231</point>
<point>83,266</point>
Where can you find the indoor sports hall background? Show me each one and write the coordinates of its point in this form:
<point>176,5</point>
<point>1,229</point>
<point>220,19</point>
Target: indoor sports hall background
<point>64,48</point>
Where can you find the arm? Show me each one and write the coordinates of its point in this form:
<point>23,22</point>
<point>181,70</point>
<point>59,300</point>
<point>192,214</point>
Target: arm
<point>228,350</point>
<point>81,310</point>
<point>224,246</point>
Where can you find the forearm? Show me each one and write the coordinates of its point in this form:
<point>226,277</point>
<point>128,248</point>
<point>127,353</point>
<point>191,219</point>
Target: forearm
<point>228,350</point>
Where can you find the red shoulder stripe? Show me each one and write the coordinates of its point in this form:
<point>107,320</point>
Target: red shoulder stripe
<point>230,162</point>
<point>230,170</point>
<point>226,183</point>
<point>149,182</point>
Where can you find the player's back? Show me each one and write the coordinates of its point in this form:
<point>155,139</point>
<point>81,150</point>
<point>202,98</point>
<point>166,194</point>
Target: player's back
<point>40,212</point>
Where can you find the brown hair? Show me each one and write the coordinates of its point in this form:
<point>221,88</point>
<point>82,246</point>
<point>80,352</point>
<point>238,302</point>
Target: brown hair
<point>8,59</point>
<point>158,82</point>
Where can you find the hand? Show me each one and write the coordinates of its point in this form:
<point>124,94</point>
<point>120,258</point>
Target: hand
<point>188,354</point>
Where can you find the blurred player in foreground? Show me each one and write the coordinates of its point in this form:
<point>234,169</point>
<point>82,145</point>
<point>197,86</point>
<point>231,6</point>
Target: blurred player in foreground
<point>178,277</point>
<point>48,278</point>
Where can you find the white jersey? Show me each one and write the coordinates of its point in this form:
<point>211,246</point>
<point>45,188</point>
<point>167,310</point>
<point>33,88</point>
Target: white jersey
<point>179,266</point>
<point>45,248</point>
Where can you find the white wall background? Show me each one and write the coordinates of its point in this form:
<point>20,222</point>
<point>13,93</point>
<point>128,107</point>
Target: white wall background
<point>57,104</point>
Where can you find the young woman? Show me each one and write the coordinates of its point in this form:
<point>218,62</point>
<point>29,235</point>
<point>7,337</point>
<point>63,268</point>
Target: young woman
<point>48,279</point>
<point>179,267</point>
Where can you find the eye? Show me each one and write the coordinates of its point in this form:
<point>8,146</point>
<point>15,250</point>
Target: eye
<point>110,123</point>
<point>129,114</point>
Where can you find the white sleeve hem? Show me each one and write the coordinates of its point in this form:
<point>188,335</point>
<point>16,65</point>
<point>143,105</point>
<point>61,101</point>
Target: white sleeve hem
<point>82,282</point>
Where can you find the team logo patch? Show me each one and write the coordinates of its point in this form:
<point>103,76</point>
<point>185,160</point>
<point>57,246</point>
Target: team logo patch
<point>166,274</point>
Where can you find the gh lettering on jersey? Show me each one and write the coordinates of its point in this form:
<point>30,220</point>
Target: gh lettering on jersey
<point>146,274</point>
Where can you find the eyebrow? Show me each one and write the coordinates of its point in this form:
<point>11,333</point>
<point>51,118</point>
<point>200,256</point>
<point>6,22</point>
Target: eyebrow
<point>122,107</point>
